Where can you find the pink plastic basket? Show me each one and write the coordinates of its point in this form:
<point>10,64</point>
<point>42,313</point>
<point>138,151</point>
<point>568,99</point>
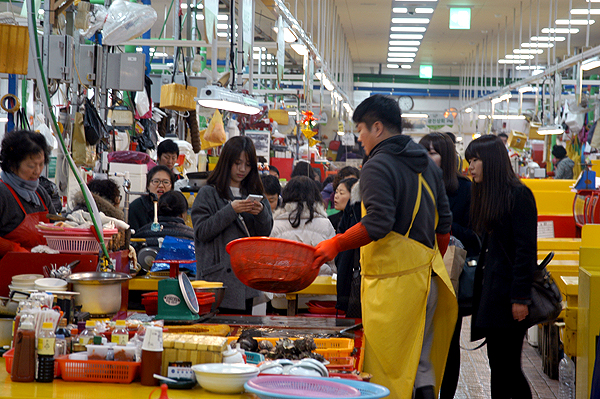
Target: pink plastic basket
<point>72,240</point>
<point>300,387</point>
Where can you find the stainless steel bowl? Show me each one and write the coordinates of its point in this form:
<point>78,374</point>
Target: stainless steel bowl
<point>219,294</point>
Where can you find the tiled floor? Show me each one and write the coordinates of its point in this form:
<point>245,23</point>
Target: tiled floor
<point>474,382</point>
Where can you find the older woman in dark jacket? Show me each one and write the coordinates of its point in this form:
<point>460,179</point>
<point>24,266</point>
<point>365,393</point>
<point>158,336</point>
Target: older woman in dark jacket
<point>504,211</point>
<point>221,213</point>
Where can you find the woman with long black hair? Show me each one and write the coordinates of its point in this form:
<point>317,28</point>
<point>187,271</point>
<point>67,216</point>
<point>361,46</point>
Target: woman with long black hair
<point>221,213</point>
<point>503,210</point>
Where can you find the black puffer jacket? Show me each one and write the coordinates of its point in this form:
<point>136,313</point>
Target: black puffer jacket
<point>388,187</point>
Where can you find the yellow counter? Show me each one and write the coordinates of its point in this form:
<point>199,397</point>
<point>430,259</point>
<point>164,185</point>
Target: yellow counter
<point>95,390</point>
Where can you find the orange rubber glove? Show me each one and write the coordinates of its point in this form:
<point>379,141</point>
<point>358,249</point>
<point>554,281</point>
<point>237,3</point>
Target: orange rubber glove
<point>442,240</point>
<point>354,237</point>
<point>10,246</point>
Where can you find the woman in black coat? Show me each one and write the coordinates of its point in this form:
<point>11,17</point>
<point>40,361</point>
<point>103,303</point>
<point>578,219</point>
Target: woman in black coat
<point>503,210</point>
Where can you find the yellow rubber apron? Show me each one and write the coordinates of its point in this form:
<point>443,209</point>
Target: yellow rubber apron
<point>396,275</point>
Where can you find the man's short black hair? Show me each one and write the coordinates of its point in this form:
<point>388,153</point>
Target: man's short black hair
<point>380,108</point>
<point>559,151</point>
<point>167,146</point>
<point>274,169</point>
<point>503,135</point>
<point>271,184</point>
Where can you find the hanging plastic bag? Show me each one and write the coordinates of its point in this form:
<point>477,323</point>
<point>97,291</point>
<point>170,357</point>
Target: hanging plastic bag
<point>205,144</point>
<point>142,105</point>
<point>93,125</point>
<point>174,248</point>
<point>94,20</point>
<point>126,21</point>
<point>215,132</point>
<point>78,146</point>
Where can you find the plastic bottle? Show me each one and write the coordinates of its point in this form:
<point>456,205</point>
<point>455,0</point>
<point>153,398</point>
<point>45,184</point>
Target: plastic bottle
<point>45,347</point>
<point>60,348</point>
<point>120,334</point>
<point>23,368</point>
<point>566,378</point>
<point>64,330</point>
<point>87,336</point>
<point>152,349</point>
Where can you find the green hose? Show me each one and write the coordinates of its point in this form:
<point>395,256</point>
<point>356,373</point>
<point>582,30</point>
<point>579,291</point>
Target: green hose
<point>46,97</point>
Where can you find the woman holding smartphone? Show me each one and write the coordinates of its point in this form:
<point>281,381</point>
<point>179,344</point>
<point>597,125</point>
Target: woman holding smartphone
<point>225,209</point>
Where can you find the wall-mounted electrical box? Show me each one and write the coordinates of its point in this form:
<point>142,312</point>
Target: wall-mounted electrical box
<point>60,63</point>
<point>125,71</point>
<point>89,65</point>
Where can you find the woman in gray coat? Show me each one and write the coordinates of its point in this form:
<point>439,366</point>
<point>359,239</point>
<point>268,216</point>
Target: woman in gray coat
<point>221,213</point>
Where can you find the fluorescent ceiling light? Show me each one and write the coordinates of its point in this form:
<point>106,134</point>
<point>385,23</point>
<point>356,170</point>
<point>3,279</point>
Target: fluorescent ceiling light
<point>225,99</point>
<point>519,56</point>
<point>402,55</point>
<point>584,11</point>
<point>401,49</point>
<point>553,129</point>
<point>405,36</point>
<point>538,45</point>
<point>415,29</point>
<point>199,6</point>
<point>468,110</point>
<point>400,10</point>
<point>501,98</point>
<point>299,48</point>
<point>222,17</point>
<point>593,1</point>
<point>199,17</point>
<point>410,20</point>
<point>591,63</point>
<point>222,26</point>
<point>560,30</point>
<point>511,61</point>
<point>527,51</point>
<point>405,43</point>
<point>502,117</point>
<point>288,35</point>
<point>548,39</point>
<point>525,89</point>
<point>391,59</point>
<point>415,116</point>
<point>424,10</point>
<point>347,107</point>
<point>574,21</point>
<point>222,34</point>
<point>393,66</point>
<point>405,66</point>
<point>325,81</point>
<point>529,67</point>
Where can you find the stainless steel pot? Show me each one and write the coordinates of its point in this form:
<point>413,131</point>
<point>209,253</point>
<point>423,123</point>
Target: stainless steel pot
<point>99,292</point>
<point>6,328</point>
<point>8,306</point>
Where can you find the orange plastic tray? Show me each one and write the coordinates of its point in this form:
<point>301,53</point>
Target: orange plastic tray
<point>9,356</point>
<point>97,370</point>
<point>328,347</point>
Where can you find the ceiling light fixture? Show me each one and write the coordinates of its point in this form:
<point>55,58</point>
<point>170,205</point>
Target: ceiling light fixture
<point>548,39</point>
<point>415,116</point>
<point>537,45</point>
<point>299,48</point>
<point>288,35</point>
<point>405,66</point>
<point>552,129</point>
<point>400,10</point>
<point>503,97</point>
<point>391,59</point>
<point>228,100</point>
<point>410,20</point>
<point>560,30</point>
<point>404,43</point>
<point>405,36</point>
<point>508,117</point>
<point>402,49</point>
<point>393,66</point>
<point>401,55</point>
<point>519,56</point>
<point>590,63</point>
<point>325,81</point>
<point>415,29</point>
<point>511,61</point>
<point>525,89</point>
<point>527,51</point>
<point>529,67</point>
<point>468,110</point>
<point>584,11</point>
<point>424,10</point>
<point>574,21</point>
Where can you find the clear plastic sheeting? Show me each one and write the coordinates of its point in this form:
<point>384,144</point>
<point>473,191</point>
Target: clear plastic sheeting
<point>126,21</point>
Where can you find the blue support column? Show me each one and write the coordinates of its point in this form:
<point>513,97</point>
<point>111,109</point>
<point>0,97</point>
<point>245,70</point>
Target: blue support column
<point>146,35</point>
<point>12,89</point>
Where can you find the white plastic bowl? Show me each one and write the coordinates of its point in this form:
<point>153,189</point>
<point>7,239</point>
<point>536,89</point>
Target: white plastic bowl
<point>224,377</point>
<point>25,279</point>
<point>51,284</point>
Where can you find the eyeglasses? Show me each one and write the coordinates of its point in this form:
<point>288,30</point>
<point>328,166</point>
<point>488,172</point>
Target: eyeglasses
<point>156,182</point>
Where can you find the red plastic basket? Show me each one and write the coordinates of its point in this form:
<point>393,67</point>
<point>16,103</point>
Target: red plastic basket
<point>340,363</point>
<point>97,370</point>
<point>205,301</point>
<point>272,264</point>
<point>71,240</point>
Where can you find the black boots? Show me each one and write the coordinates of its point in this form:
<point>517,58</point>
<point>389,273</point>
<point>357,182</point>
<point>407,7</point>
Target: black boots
<point>425,392</point>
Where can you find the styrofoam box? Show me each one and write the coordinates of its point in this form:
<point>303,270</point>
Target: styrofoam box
<point>132,168</point>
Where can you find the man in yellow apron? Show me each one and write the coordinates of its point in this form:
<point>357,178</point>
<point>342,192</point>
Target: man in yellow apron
<point>404,206</point>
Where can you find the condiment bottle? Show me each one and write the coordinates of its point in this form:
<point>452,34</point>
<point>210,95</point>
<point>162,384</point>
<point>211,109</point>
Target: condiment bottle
<point>45,347</point>
<point>120,334</point>
<point>152,349</point>
<point>64,330</point>
<point>23,367</point>
<point>87,336</point>
<point>60,347</point>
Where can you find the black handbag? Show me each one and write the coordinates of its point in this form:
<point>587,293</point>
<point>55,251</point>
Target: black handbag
<point>354,305</point>
<point>466,281</point>
<point>546,299</point>
<point>94,127</point>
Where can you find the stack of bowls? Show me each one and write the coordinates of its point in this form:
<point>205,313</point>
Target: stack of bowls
<point>23,283</point>
<point>51,284</point>
<point>224,377</point>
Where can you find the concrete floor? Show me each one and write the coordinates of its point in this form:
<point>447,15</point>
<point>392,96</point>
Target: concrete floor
<point>474,381</point>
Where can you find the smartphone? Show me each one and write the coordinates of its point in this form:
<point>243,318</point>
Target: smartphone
<point>255,198</point>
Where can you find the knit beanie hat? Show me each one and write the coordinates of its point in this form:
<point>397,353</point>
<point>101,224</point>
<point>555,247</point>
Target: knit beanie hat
<point>559,152</point>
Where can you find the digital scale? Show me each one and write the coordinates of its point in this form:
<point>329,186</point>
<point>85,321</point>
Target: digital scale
<point>177,302</point>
